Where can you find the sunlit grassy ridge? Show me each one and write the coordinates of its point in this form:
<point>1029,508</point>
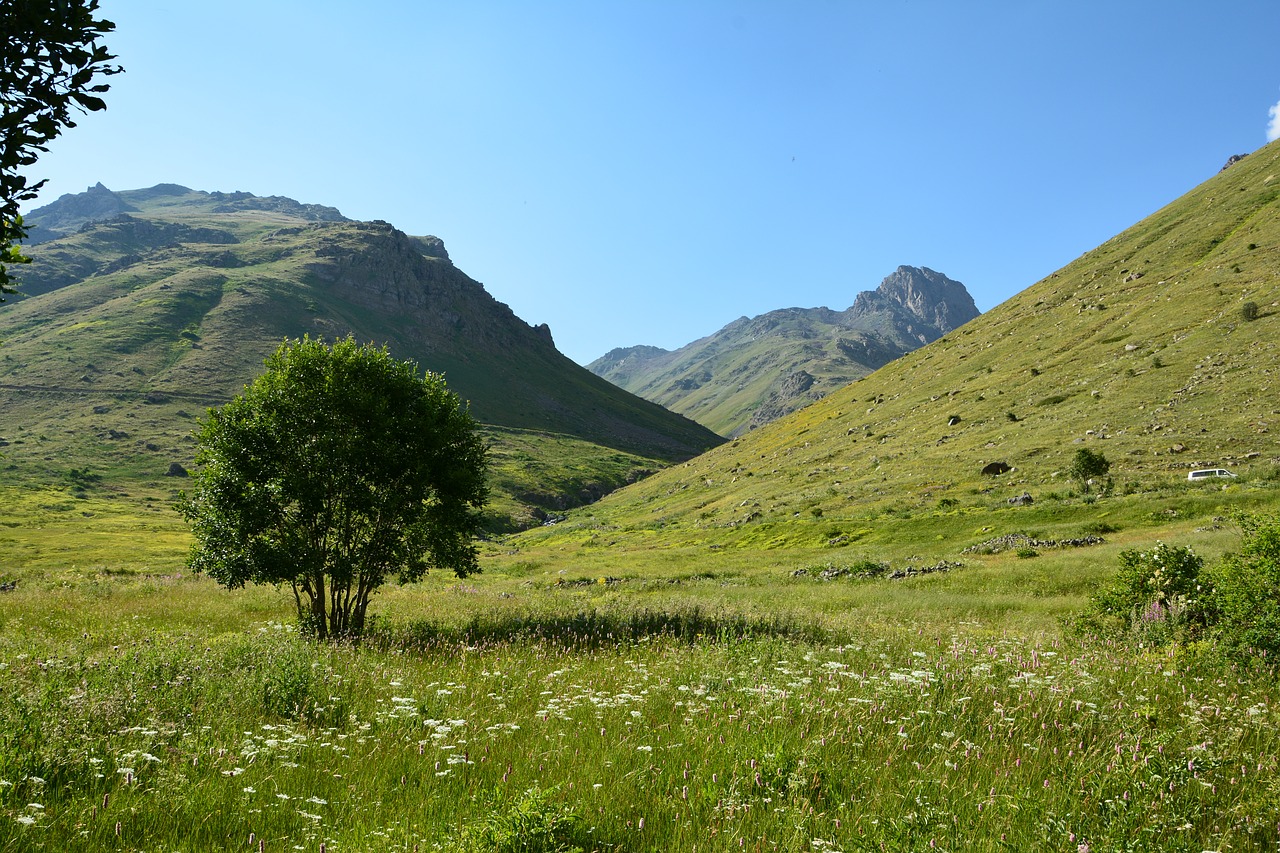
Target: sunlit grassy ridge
<point>1139,349</point>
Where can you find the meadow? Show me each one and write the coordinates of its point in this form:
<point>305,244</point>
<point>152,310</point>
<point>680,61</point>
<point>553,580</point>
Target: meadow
<point>679,697</point>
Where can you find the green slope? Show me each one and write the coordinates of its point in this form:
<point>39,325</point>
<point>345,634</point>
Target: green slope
<point>1139,349</point>
<point>144,319</point>
<point>757,369</point>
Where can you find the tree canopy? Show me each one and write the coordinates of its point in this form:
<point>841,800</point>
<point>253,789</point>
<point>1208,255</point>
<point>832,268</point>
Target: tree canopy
<point>50,57</point>
<point>1087,465</point>
<point>334,470</point>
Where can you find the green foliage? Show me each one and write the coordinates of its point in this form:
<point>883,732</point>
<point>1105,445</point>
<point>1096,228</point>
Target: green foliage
<point>1159,592</point>
<point>1247,591</point>
<point>1087,465</point>
<point>533,823</point>
<point>335,469</point>
<point>1249,312</point>
<point>49,57</point>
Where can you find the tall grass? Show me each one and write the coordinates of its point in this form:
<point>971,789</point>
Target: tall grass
<point>714,739</point>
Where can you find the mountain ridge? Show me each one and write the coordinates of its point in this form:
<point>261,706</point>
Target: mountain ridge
<point>189,291</point>
<point>754,369</point>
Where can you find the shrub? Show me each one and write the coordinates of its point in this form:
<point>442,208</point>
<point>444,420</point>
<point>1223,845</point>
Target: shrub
<point>1249,312</point>
<point>1099,528</point>
<point>1160,589</point>
<point>531,824</point>
<point>1246,592</point>
<point>1087,465</point>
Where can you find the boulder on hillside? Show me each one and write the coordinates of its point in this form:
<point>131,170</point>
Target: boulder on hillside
<point>995,469</point>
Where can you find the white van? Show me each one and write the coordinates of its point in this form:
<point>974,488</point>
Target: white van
<point>1206,473</point>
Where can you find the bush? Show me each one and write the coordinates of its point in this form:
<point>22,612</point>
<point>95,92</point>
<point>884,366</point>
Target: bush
<point>1087,465</point>
<point>1159,591</point>
<point>532,824</point>
<point>1246,592</point>
<point>1249,312</point>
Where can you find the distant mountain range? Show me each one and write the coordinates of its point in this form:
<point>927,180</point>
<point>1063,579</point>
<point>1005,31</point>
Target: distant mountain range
<point>145,306</point>
<point>757,369</point>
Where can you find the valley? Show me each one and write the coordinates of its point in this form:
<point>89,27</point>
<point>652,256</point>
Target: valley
<point>845,629</point>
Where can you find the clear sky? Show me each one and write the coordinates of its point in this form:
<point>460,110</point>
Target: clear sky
<point>646,172</point>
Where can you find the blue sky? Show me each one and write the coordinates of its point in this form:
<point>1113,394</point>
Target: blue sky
<point>646,172</point>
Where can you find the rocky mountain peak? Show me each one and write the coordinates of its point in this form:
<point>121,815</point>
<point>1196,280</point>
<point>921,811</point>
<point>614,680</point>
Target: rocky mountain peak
<point>72,210</point>
<point>933,298</point>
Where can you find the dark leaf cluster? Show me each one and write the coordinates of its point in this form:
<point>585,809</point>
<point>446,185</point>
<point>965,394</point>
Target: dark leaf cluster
<point>51,62</point>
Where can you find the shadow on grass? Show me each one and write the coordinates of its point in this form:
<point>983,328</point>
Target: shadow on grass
<point>594,629</point>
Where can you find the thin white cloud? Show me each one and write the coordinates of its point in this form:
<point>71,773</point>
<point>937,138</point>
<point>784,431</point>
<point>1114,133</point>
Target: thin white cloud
<point>1273,126</point>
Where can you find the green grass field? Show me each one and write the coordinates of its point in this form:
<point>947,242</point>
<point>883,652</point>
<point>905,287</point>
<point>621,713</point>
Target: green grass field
<point>678,697</point>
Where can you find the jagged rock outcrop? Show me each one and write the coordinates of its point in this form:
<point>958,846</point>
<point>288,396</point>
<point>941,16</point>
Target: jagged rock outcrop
<point>72,210</point>
<point>938,303</point>
<point>793,393</point>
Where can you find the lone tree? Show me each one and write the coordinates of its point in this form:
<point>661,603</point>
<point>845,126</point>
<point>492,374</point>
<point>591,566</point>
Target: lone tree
<point>49,59</point>
<point>335,469</point>
<point>1088,465</point>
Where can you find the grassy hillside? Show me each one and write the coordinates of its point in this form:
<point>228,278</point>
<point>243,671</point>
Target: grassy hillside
<point>143,320</point>
<point>1140,350</point>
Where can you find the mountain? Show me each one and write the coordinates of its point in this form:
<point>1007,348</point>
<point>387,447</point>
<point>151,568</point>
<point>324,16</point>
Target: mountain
<point>1159,349</point>
<point>757,369</point>
<point>171,302</point>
